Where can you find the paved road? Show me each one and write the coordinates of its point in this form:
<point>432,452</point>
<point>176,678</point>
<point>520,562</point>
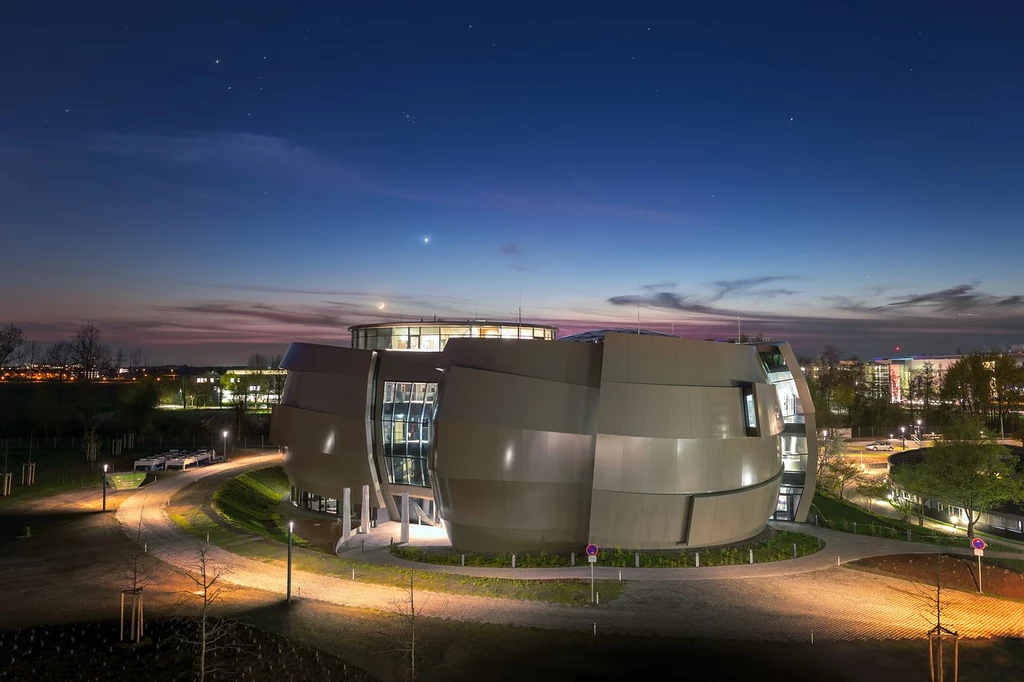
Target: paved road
<point>775,603</point>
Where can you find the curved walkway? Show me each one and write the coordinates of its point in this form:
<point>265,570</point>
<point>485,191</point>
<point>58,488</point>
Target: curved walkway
<point>782,601</point>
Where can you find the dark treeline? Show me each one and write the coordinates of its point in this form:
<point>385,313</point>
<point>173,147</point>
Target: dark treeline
<point>80,400</point>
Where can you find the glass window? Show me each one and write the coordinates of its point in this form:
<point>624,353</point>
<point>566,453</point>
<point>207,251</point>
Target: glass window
<point>406,424</point>
<point>751,411</point>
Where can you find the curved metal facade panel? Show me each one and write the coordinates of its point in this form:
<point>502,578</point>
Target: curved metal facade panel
<point>672,434</point>
<point>323,419</point>
<point>513,460</point>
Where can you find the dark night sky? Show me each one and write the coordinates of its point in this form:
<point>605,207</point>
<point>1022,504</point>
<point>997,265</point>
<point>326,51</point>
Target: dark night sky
<point>207,179</point>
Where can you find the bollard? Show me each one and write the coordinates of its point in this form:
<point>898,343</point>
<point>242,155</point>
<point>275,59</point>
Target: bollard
<point>595,629</point>
<point>794,550</point>
<point>908,535</point>
<point>463,561</point>
<point>854,527</point>
<point>513,561</point>
<point>362,545</point>
<point>598,597</point>
<point>620,575</point>
<point>638,559</point>
<point>812,636</point>
<point>145,547</point>
<point>207,537</point>
<point>838,563</point>
<point>698,560</point>
<point>572,558</point>
<point>751,555</point>
<point>353,574</point>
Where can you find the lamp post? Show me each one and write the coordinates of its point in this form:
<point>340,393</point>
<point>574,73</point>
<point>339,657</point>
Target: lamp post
<point>903,436</point>
<point>104,487</point>
<point>920,433</point>
<point>225,446</point>
<point>291,527</point>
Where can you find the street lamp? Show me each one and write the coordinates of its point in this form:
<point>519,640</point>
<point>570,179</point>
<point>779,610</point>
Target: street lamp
<point>225,446</point>
<point>104,487</point>
<point>903,436</point>
<point>291,527</point>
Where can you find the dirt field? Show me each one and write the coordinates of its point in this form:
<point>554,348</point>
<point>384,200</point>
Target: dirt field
<point>1001,578</point>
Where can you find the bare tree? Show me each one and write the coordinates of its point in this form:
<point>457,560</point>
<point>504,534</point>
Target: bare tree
<point>30,353</point>
<point>60,354</point>
<point>92,357</point>
<point>275,381</point>
<point>135,359</point>
<point>11,340</point>
<point>214,635</point>
<point>90,354</point>
<point>408,612</point>
<point>137,570</point>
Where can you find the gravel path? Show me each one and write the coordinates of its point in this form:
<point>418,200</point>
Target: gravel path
<point>781,601</point>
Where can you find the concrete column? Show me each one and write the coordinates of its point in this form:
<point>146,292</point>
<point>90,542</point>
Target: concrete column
<point>405,518</point>
<point>364,511</point>
<point>346,518</point>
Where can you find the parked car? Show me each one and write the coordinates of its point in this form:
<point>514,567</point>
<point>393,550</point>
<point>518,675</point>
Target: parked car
<point>880,445</point>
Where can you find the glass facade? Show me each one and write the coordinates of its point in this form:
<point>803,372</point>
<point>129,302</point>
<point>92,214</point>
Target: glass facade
<point>407,419</point>
<point>794,435</point>
<point>433,336</point>
<point>307,500</point>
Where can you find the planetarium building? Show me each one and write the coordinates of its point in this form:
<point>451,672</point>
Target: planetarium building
<point>516,442</point>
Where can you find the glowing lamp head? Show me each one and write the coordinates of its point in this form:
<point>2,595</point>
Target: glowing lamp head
<point>104,468</point>
<point>291,526</point>
<point>225,434</point>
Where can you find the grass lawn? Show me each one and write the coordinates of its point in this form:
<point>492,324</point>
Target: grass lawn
<point>62,469</point>
<point>246,522</point>
<point>841,515</point>
<point>776,548</point>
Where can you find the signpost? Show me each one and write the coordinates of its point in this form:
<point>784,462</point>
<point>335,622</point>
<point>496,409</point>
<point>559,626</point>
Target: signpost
<point>592,558</point>
<point>979,550</point>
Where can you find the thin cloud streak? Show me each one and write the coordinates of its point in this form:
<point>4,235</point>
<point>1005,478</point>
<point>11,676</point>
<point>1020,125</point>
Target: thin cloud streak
<point>249,154</point>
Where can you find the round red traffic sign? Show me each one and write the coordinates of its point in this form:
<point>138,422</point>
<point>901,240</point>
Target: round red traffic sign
<point>591,550</point>
<point>978,543</point>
